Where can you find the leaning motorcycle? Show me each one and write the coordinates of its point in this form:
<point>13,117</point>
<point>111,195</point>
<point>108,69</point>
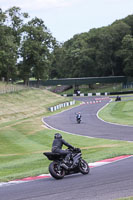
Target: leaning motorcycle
<point>75,165</point>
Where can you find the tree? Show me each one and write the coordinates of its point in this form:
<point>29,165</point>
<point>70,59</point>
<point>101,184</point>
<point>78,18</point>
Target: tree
<point>15,20</point>
<point>127,53</point>
<point>10,24</point>
<point>36,50</point>
<point>8,50</point>
<point>57,59</point>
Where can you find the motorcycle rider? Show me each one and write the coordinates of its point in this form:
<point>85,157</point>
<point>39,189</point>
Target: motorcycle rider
<point>78,115</point>
<point>58,142</point>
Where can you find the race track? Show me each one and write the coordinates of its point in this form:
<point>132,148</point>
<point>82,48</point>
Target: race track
<point>90,125</point>
<point>106,182</point>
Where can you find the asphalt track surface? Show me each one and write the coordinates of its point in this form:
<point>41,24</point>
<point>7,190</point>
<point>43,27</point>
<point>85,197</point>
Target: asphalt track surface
<point>90,125</point>
<point>106,182</point>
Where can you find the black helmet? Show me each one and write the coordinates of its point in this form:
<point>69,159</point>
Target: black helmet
<point>57,136</point>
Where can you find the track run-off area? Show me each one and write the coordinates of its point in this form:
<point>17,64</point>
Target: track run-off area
<point>108,179</point>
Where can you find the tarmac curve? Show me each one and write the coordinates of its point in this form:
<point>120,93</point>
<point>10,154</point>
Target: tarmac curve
<point>91,125</point>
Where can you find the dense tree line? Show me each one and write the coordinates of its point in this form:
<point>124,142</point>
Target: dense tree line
<point>28,49</point>
<point>106,51</point>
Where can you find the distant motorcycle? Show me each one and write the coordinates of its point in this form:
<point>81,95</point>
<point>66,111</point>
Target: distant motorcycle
<point>118,98</point>
<point>75,165</point>
<point>78,118</point>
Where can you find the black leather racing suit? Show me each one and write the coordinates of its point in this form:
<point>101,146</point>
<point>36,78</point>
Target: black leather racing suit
<point>57,147</point>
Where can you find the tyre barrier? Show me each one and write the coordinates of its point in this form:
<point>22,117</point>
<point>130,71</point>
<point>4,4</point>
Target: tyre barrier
<point>62,105</point>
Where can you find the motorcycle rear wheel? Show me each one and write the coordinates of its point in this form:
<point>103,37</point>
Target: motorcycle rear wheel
<point>56,171</point>
<point>84,167</point>
<point>78,121</point>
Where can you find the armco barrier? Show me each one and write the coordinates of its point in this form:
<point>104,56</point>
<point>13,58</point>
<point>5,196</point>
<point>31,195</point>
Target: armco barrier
<point>99,94</point>
<point>87,94</point>
<point>62,105</point>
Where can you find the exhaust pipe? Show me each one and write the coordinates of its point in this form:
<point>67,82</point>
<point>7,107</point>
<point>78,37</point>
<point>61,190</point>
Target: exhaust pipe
<point>64,166</point>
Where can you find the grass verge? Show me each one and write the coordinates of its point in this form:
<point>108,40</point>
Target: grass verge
<point>126,198</point>
<point>119,112</point>
<point>23,137</point>
<point>21,151</point>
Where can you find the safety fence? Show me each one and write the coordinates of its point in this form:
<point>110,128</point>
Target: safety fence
<point>86,94</point>
<point>98,94</point>
<point>128,85</point>
<point>11,88</point>
<point>62,105</point>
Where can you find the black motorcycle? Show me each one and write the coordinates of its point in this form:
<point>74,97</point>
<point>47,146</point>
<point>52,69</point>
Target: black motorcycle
<point>78,120</point>
<point>78,117</point>
<point>76,164</point>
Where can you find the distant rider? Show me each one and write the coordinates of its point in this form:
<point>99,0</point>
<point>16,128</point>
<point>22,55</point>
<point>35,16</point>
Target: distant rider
<point>78,116</point>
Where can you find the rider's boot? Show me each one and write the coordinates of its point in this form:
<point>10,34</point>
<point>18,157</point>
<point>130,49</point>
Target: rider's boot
<point>66,162</point>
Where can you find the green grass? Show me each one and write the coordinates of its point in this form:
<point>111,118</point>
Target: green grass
<point>126,198</point>
<point>27,103</point>
<point>21,151</point>
<point>23,137</point>
<point>119,112</point>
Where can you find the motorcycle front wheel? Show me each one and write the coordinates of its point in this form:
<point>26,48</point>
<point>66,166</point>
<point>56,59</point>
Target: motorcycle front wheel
<point>56,171</point>
<point>84,167</point>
